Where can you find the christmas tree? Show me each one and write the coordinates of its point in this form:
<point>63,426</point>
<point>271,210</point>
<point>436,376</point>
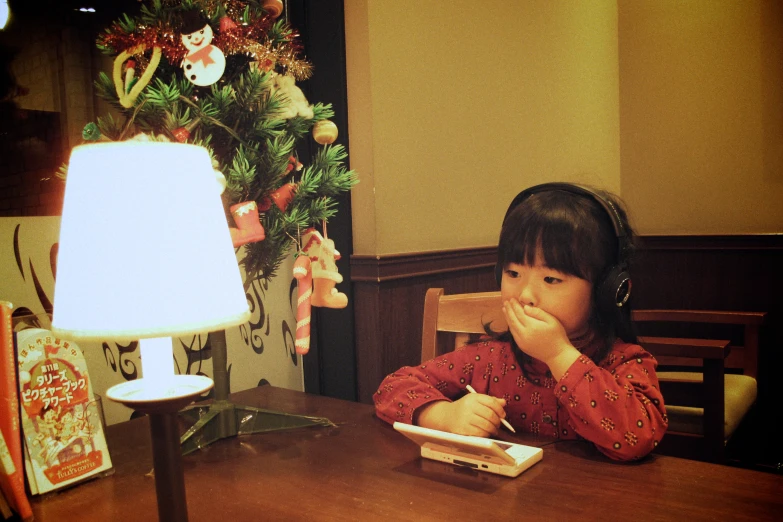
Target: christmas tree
<point>222,74</point>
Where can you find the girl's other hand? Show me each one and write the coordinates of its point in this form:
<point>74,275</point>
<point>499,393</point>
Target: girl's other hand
<point>474,414</point>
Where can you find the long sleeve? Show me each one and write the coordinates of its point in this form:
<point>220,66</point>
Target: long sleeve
<point>411,387</point>
<point>616,405</point>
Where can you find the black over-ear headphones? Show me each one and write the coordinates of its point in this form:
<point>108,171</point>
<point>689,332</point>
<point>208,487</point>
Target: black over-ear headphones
<point>615,288</point>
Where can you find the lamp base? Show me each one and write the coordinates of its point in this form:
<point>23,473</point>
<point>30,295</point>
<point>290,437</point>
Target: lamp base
<point>222,419</point>
<point>162,402</point>
<point>149,396</point>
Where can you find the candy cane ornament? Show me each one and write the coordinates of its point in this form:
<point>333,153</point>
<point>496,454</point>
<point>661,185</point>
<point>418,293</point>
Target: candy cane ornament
<point>304,278</point>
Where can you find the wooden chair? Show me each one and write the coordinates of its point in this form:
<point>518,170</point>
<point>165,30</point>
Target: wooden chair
<point>708,383</point>
<point>705,404</point>
<point>449,320</point>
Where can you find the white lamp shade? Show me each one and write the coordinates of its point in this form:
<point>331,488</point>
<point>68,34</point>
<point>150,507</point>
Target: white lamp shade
<point>145,249</point>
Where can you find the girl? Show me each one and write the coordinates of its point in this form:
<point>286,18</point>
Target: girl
<point>568,367</point>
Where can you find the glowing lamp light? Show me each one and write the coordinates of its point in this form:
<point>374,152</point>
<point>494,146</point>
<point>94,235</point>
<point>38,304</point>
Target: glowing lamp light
<point>145,250</point>
<point>145,253</point>
<point>5,13</point>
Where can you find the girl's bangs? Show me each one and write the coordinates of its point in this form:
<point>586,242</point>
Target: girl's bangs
<point>559,238</point>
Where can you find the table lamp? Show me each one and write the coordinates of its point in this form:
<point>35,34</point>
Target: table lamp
<point>145,253</point>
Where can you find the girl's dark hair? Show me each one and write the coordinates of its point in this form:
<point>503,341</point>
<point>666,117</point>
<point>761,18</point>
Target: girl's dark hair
<point>575,236</point>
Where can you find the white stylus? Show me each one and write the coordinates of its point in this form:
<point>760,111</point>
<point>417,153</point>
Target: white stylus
<point>504,421</point>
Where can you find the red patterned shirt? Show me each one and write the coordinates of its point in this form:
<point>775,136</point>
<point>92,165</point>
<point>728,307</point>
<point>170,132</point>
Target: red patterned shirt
<point>616,404</point>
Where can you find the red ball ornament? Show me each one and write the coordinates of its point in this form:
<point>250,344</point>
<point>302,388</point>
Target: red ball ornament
<point>227,25</point>
<point>273,7</point>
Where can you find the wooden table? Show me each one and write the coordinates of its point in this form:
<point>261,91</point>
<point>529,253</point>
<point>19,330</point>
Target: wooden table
<point>364,470</point>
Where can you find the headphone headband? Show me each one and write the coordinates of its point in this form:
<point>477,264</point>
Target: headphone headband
<point>615,288</point>
<point>608,206</point>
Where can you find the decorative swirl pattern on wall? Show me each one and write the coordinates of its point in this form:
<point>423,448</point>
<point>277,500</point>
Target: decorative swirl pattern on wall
<point>17,251</point>
<point>127,366</point>
<point>254,332</point>
<point>198,351</point>
<point>289,343</point>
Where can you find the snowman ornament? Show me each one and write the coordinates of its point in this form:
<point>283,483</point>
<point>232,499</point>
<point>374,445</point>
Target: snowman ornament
<point>204,63</point>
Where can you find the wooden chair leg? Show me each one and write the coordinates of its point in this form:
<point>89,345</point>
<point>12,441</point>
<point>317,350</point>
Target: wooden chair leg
<point>714,421</point>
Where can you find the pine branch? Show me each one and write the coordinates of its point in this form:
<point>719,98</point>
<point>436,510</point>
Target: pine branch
<point>298,126</point>
<point>222,99</point>
<point>177,118</point>
<point>274,165</point>
<point>322,111</point>
<point>264,258</point>
<point>241,175</point>
<point>205,108</point>
<point>185,87</point>
<point>62,172</point>
<point>203,141</point>
<point>334,177</point>
<point>104,87</point>
<point>152,14</point>
<point>109,127</point>
<point>127,24</point>
<point>163,95</point>
<point>268,129</point>
<point>252,87</point>
<point>280,33</point>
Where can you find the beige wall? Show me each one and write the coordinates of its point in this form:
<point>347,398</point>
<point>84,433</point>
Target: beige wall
<point>454,109</point>
<point>701,97</point>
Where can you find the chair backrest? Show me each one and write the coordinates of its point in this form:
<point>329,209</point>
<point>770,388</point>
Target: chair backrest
<point>743,353</point>
<point>707,374</point>
<point>449,320</point>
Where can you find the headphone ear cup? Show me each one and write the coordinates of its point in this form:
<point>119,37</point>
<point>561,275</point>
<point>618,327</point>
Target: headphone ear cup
<point>616,288</point>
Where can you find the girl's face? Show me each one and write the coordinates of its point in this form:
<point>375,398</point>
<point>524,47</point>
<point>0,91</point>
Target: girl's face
<point>566,297</point>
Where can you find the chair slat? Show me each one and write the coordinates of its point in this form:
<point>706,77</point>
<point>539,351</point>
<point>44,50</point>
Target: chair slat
<point>681,347</point>
<point>468,315</point>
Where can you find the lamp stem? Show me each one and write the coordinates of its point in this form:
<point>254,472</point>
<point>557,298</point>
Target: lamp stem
<point>167,461</point>
<point>157,361</point>
<point>217,341</point>
<point>227,418</point>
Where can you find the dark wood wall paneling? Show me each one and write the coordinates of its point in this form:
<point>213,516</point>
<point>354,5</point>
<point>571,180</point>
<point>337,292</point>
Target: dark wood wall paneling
<point>389,303</point>
<point>687,272</point>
